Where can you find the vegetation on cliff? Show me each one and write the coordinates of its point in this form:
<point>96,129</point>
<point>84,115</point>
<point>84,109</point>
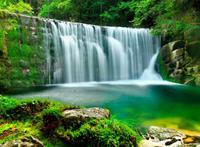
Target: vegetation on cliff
<point>21,55</point>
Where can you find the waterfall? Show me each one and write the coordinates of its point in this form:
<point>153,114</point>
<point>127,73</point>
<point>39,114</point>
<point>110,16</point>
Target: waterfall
<point>150,73</point>
<point>81,53</point>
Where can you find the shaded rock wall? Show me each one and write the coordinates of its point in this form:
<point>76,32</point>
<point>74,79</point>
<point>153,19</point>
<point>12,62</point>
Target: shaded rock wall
<point>180,59</point>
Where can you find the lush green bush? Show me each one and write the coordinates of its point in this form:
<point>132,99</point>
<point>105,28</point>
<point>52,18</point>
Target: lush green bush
<point>16,6</point>
<point>57,9</point>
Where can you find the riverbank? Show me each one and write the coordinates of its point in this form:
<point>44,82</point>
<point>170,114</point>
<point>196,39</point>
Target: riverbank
<point>49,123</point>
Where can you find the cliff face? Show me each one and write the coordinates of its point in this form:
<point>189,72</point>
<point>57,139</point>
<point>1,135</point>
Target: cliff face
<point>180,59</point>
<point>22,54</point>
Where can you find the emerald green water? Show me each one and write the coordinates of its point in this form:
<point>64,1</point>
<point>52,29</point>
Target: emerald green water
<point>173,106</point>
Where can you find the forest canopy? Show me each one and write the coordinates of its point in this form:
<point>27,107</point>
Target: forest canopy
<point>163,15</point>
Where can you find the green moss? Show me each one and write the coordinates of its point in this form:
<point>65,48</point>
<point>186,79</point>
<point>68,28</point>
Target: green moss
<point>55,109</point>
<point>100,133</point>
<point>15,108</point>
<point>52,112</point>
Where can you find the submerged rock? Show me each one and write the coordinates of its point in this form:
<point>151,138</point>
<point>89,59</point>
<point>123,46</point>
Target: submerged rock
<point>86,113</point>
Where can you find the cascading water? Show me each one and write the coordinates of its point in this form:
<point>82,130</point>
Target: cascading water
<point>82,53</point>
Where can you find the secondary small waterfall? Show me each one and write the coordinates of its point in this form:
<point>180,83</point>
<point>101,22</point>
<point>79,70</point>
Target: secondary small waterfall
<point>79,52</point>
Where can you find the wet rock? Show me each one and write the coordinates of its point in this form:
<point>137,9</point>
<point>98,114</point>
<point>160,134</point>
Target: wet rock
<point>164,133</point>
<point>177,45</point>
<point>33,142</point>
<point>165,143</point>
<point>86,113</point>
<point>164,137</point>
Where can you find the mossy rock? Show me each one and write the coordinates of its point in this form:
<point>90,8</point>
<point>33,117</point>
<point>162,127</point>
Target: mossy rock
<point>17,109</point>
<point>193,49</point>
<point>100,133</point>
<point>168,50</point>
<point>177,54</point>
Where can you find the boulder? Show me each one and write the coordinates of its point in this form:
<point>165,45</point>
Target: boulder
<point>172,51</point>
<point>164,137</point>
<point>164,133</point>
<point>86,113</point>
<point>176,45</point>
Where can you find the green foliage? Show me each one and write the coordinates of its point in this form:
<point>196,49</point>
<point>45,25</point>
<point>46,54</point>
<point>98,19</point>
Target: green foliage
<point>20,7</point>
<point>88,11</point>
<point>16,6</point>
<point>146,12</point>
<point>175,20</point>
<point>57,9</point>
<point>8,24</point>
<point>164,16</point>
<point>118,14</point>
